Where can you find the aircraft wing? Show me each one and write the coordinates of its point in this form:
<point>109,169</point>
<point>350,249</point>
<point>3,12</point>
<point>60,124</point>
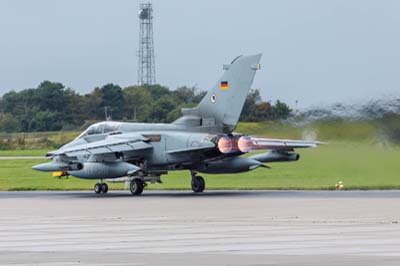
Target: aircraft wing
<point>282,144</point>
<point>111,145</point>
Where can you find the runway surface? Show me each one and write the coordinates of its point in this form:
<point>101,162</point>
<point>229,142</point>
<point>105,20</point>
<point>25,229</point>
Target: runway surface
<point>213,228</point>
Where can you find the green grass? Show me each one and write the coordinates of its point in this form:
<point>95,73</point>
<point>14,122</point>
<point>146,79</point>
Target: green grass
<point>35,140</point>
<point>360,165</point>
<point>41,152</point>
<point>338,130</point>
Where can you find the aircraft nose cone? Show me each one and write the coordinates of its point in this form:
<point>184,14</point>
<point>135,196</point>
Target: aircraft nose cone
<point>36,167</point>
<point>41,167</point>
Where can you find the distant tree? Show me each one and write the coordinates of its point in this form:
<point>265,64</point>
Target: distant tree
<point>48,97</point>
<point>281,110</point>
<point>51,106</point>
<point>80,108</point>
<point>185,95</point>
<point>17,103</point>
<point>109,96</point>
<point>46,121</point>
<point>255,110</point>
<point>137,103</point>
<point>51,96</point>
<point>91,105</point>
<point>157,91</point>
<point>161,108</point>
<point>262,111</point>
<point>199,96</point>
<point>250,106</point>
<point>9,123</point>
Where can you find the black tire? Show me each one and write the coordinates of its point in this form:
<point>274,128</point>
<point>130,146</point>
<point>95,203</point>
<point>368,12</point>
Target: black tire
<point>136,187</point>
<point>104,188</point>
<point>198,184</point>
<point>97,188</point>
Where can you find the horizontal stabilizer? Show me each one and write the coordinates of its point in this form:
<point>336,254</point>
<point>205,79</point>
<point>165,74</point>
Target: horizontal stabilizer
<point>282,144</point>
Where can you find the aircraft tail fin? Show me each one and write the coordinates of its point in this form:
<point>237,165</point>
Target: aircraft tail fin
<point>224,102</point>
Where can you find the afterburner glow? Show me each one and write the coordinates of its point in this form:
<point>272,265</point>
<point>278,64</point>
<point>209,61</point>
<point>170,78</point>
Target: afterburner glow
<point>245,144</point>
<point>225,145</point>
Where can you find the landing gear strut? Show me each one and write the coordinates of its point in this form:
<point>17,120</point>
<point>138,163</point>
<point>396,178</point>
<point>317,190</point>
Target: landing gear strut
<point>198,183</point>
<point>101,187</point>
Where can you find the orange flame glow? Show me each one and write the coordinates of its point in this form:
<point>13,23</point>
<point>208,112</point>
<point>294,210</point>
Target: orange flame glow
<point>245,144</point>
<point>225,145</point>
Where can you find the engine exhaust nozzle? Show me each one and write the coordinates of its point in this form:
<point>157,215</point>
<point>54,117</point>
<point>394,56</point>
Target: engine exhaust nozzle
<point>225,145</point>
<point>245,144</point>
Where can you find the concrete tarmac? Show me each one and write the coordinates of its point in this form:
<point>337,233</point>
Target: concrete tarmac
<point>213,228</point>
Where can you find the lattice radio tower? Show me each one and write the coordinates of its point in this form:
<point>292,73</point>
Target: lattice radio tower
<point>146,68</point>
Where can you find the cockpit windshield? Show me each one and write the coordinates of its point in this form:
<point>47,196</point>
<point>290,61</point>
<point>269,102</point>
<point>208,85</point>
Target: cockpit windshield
<point>101,128</point>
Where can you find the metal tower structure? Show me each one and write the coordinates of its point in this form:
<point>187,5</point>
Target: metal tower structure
<point>146,68</point>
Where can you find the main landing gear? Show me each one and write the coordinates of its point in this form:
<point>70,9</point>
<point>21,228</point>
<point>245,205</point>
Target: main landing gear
<point>198,183</point>
<point>136,186</point>
<point>101,187</point>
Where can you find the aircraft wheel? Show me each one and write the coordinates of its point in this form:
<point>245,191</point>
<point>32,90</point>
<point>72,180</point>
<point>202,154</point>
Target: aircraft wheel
<point>97,188</point>
<point>104,188</point>
<point>136,186</point>
<point>198,184</point>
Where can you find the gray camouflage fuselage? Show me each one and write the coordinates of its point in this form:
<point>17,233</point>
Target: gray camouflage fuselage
<point>202,140</point>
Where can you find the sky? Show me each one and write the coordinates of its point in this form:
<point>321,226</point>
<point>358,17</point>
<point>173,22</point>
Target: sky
<point>314,51</point>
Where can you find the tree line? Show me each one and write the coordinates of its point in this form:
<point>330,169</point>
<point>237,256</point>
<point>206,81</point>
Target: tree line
<point>53,107</point>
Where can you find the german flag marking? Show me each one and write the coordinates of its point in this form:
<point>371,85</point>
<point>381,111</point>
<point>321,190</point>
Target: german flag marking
<point>224,85</point>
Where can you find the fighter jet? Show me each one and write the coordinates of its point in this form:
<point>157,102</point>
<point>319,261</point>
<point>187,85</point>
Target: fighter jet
<point>201,141</point>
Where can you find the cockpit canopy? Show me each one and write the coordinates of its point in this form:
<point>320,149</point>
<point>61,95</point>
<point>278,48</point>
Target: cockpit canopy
<point>101,128</point>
